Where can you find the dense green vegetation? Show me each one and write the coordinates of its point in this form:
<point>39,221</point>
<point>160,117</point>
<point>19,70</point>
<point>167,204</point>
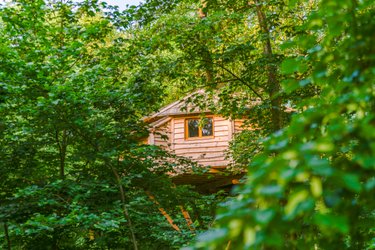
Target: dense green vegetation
<point>77,78</point>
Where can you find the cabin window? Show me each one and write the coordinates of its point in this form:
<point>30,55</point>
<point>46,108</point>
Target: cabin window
<point>195,127</point>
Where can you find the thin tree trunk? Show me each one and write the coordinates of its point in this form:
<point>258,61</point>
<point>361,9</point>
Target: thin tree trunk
<point>273,86</point>
<point>125,210</point>
<point>62,145</point>
<point>205,53</point>
<point>6,233</point>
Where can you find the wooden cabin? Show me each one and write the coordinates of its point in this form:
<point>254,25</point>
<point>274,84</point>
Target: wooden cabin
<point>200,136</point>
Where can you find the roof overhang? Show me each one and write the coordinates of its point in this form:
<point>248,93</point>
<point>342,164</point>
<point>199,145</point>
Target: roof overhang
<point>180,107</point>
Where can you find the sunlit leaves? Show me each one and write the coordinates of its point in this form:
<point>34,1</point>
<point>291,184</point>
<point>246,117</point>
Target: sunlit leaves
<point>72,111</point>
<point>292,65</point>
<point>317,174</point>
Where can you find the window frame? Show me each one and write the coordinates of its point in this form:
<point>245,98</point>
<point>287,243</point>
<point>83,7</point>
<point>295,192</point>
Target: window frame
<point>199,137</point>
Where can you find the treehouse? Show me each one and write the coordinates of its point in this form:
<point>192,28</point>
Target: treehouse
<point>204,137</point>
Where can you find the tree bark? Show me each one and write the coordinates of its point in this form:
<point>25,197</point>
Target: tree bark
<point>201,13</point>
<point>205,53</point>
<point>62,145</point>
<point>125,210</point>
<point>273,83</point>
<point>6,234</point>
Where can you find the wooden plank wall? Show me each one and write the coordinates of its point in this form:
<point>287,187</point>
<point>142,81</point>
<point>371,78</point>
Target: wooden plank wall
<point>160,132</point>
<point>239,126</point>
<point>206,151</point>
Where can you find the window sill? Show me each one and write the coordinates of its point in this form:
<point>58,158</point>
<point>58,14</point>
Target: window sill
<point>199,138</point>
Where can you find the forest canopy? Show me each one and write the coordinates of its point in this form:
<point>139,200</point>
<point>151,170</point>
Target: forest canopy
<point>77,79</point>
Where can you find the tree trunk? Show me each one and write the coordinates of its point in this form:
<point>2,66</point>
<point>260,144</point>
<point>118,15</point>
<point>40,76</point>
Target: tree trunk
<point>273,84</point>
<point>62,145</point>
<point>205,53</point>
<point>6,234</point>
<point>125,210</point>
<point>201,13</point>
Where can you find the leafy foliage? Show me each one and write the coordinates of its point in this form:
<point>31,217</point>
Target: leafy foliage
<point>312,185</point>
<point>76,79</point>
<point>73,171</point>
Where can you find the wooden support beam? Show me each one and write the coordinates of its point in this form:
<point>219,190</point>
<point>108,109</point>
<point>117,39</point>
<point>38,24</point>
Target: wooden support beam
<point>235,181</point>
<point>218,183</point>
<point>187,217</point>
<point>228,245</point>
<point>91,235</point>
<point>163,212</point>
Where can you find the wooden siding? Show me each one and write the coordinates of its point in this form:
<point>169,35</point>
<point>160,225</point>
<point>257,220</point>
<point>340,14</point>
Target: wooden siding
<point>209,151</point>
<point>205,151</point>
<point>239,125</point>
<point>162,136</point>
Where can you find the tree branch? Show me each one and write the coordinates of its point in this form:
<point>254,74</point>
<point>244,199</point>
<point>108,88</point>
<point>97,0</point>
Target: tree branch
<point>240,80</point>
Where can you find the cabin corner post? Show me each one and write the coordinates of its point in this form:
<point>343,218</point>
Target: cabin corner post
<point>172,137</point>
<point>151,137</point>
<point>230,129</point>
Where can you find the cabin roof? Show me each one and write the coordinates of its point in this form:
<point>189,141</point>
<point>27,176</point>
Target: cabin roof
<point>183,106</point>
<point>180,107</point>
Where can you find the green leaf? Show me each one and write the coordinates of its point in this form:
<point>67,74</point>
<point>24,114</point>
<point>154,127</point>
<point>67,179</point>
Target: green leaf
<point>213,235</point>
<point>332,222</point>
<point>316,186</point>
<point>264,216</point>
<point>294,200</point>
<point>289,85</point>
<point>351,181</point>
<point>292,65</point>
<point>271,190</point>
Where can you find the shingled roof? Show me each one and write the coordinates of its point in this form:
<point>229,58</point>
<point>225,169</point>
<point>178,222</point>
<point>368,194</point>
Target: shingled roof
<point>180,107</point>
